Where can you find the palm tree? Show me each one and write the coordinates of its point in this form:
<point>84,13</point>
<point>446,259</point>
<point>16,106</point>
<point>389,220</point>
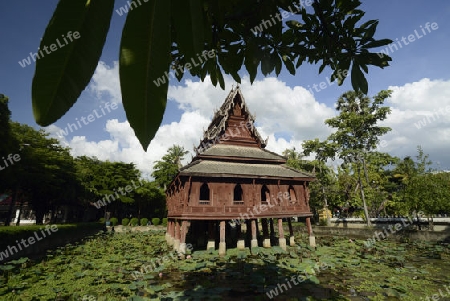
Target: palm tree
<point>167,168</point>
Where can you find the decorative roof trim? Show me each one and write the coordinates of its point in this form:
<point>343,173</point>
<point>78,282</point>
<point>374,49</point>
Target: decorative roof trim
<point>218,122</point>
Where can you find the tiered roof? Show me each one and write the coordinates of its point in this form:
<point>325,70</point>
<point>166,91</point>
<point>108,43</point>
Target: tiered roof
<point>224,153</point>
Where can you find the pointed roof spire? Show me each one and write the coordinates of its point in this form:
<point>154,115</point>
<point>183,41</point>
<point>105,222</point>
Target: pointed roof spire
<point>232,123</point>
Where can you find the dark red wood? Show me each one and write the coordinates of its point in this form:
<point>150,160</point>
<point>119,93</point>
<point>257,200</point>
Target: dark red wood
<point>232,141</point>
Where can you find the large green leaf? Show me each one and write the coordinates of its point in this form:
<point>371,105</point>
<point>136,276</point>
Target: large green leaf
<point>69,52</point>
<point>359,82</point>
<point>189,27</point>
<point>144,65</point>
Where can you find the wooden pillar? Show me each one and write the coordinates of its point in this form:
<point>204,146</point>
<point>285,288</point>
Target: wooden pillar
<point>254,241</point>
<point>176,243</point>
<point>281,239</point>
<point>272,230</point>
<point>291,234</point>
<point>170,234</point>
<point>312,239</point>
<point>248,232</point>
<point>184,230</point>
<point>222,243</point>
<point>240,238</point>
<point>211,236</point>
<point>265,228</point>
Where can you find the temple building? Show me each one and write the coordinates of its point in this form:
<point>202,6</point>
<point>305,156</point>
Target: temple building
<point>234,184</point>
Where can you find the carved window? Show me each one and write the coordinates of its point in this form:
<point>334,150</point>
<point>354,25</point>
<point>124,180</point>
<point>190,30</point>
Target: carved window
<point>265,195</point>
<point>204,194</point>
<point>237,199</point>
<point>292,195</point>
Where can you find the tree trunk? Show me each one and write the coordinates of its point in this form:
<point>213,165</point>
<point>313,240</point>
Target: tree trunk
<point>363,198</point>
<point>11,211</point>
<point>418,220</point>
<point>20,212</point>
<point>39,216</point>
<point>326,206</point>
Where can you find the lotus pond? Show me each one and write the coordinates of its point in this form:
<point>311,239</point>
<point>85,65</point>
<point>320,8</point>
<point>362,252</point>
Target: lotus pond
<point>104,267</point>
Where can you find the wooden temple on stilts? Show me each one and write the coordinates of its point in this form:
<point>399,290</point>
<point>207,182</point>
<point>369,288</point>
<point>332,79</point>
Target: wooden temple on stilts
<point>233,188</point>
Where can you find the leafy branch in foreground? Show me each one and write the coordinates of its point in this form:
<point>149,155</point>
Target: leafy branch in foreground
<point>159,36</point>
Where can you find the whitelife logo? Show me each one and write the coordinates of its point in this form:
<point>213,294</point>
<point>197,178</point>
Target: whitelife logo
<point>71,127</point>
<point>108,198</point>
<point>411,38</point>
<point>53,47</point>
<point>11,250</point>
<point>11,159</point>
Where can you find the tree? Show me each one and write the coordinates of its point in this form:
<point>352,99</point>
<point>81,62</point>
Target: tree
<point>206,37</point>
<point>420,188</point>
<point>150,200</point>
<point>357,132</point>
<point>46,172</point>
<point>378,189</point>
<point>165,170</point>
<point>324,151</point>
<point>105,184</point>
<point>295,160</point>
<point>8,143</point>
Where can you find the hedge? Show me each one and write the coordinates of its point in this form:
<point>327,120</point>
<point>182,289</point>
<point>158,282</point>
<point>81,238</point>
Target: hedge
<point>134,221</point>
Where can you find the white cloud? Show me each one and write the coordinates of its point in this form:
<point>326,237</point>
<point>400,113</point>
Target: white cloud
<point>284,114</point>
<point>420,116</point>
<point>105,81</point>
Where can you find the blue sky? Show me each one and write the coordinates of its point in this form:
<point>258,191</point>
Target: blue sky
<point>285,109</point>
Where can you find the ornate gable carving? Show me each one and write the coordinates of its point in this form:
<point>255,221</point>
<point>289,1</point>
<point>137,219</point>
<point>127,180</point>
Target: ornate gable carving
<point>232,124</point>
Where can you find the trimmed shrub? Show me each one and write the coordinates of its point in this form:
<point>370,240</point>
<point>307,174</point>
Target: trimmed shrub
<point>134,221</point>
<point>125,221</point>
<point>113,221</point>
<point>102,220</point>
<point>155,221</point>
<point>164,221</point>
<point>144,221</point>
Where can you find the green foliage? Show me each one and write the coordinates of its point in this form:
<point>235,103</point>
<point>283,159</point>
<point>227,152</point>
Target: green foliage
<point>101,178</point>
<point>164,222</point>
<point>155,221</point>
<point>407,270</point>
<point>47,177</point>
<point>143,221</point>
<point>150,199</point>
<point>418,188</point>
<point>8,145</point>
<point>163,36</point>
<point>102,220</point>
<point>165,170</point>
<point>12,234</point>
<point>114,221</point>
<point>356,135</point>
<point>125,221</point>
<point>134,221</point>
<point>145,55</point>
<point>45,159</point>
<point>61,77</point>
<point>356,126</point>
<point>323,222</point>
<point>295,160</point>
